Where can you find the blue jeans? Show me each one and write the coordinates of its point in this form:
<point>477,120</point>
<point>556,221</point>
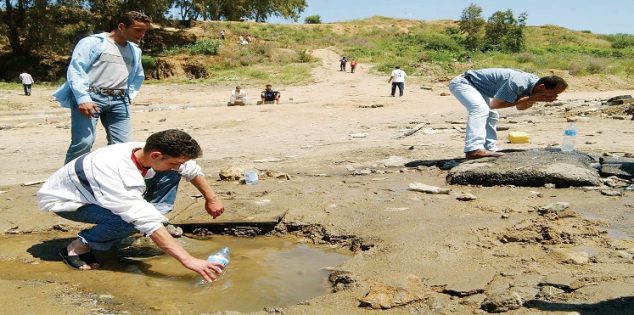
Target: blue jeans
<point>115,118</point>
<point>110,228</point>
<point>401,87</point>
<point>27,89</point>
<point>482,119</point>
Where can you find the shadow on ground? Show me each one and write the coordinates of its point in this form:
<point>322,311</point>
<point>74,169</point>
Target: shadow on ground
<point>127,259</point>
<point>617,306</point>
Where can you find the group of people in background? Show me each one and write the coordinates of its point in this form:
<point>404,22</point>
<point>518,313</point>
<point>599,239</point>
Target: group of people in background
<point>268,96</point>
<point>344,61</point>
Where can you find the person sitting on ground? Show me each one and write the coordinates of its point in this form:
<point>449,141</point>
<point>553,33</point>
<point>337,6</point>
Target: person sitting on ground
<point>242,40</point>
<point>484,91</point>
<point>238,96</point>
<point>268,95</point>
<point>128,187</point>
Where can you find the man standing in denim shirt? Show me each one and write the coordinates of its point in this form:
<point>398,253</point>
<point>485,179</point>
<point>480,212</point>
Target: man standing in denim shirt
<point>484,91</point>
<point>104,74</point>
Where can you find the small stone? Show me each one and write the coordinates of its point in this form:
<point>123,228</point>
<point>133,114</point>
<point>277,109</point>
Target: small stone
<point>420,187</point>
<point>395,161</point>
<point>382,296</point>
<point>554,207</point>
<point>535,194</point>
<point>358,135</point>
<point>466,197</point>
<point>232,173</point>
<point>174,230</point>
<point>503,301</point>
<point>610,192</point>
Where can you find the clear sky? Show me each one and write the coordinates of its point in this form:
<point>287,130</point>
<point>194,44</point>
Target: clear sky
<point>599,17</point>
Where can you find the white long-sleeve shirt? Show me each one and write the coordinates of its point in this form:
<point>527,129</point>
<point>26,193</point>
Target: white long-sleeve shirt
<point>26,78</point>
<point>238,97</point>
<point>108,177</point>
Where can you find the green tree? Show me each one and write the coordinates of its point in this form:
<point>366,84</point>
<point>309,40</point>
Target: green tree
<point>505,33</point>
<point>313,19</point>
<point>471,23</point>
<point>261,10</point>
<point>14,14</point>
<point>234,10</point>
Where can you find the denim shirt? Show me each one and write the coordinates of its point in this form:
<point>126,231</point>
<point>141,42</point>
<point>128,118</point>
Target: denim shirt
<point>505,84</point>
<point>84,56</point>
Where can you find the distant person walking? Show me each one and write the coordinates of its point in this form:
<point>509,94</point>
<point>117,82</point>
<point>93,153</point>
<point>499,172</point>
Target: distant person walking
<point>353,65</point>
<point>104,75</point>
<point>342,63</point>
<point>484,91</point>
<point>398,80</point>
<point>27,83</point>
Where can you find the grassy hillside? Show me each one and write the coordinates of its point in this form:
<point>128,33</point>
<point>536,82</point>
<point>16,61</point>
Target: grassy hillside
<point>429,49</point>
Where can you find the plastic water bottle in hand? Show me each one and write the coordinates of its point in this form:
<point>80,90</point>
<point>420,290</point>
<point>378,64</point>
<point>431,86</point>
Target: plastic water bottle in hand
<point>570,135</point>
<point>219,257</point>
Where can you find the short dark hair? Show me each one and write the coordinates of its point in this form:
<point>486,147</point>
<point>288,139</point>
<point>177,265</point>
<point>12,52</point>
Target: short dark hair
<point>397,67</point>
<point>552,82</point>
<point>174,143</point>
<point>129,17</point>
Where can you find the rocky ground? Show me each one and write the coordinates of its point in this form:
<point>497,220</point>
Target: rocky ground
<point>342,163</point>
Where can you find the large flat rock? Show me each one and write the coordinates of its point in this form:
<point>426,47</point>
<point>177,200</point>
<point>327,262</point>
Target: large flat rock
<point>621,167</point>
<point>528,168</point>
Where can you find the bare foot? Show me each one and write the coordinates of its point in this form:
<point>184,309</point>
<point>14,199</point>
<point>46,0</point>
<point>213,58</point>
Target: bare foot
<point>478,154</point>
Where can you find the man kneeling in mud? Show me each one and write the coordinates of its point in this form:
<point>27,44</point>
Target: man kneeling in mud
<point>128,187</point>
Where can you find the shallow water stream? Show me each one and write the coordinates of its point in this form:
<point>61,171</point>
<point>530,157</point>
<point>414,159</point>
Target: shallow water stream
<point>263,272</point>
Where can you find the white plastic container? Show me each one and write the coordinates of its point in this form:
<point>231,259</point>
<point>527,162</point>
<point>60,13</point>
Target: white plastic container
<point>251,177</point>
<point>570,135</point>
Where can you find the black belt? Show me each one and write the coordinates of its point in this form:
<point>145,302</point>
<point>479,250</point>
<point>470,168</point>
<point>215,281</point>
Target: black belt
<point>108,92</point>
<point>468,78</point>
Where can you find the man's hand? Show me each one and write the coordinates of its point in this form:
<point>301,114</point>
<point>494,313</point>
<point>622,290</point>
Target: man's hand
<point>208,270</point>
<point>89,109</point>
<point>214,207</point>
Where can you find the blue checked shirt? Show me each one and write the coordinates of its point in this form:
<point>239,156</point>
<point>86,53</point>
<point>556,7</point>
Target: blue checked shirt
<point>506,84</point>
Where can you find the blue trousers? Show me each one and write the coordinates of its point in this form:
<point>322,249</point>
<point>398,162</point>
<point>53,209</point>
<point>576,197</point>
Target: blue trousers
<point>401,87</point>
<point>115,118</point>
<point>110,228</point>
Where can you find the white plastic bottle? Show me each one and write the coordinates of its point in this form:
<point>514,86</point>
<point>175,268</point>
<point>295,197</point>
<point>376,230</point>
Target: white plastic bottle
<point>570,135</point>
<point>220,257</point>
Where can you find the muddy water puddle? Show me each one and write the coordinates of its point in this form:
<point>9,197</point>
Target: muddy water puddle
<point>263,272</point>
